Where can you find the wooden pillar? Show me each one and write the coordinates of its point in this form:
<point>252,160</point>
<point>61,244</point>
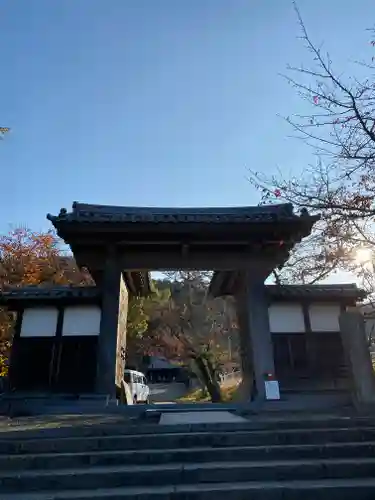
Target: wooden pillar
<point>14,364</point>
<point>255,333</point>
<point>107,344</point>
<point>246,353</point>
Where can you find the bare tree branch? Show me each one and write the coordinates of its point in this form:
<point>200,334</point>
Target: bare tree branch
<point>341,130</point>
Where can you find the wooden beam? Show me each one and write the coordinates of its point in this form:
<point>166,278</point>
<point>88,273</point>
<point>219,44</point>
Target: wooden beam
<point>194,260</point>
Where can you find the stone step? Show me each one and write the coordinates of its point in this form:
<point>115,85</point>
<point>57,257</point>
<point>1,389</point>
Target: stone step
<point>130,428</point>
<point>176,474</point>
<point>54,461</point>
<point>145,428</point>
<point>186,440</point>
<point>328,489</point>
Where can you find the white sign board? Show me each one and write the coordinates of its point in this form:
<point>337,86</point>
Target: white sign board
<point>272,389</point>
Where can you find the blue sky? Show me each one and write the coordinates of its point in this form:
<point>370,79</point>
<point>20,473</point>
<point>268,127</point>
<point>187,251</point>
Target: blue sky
<point>154,102</point>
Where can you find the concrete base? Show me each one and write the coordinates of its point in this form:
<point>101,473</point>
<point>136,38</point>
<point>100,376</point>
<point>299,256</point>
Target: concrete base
<point>209,417</point>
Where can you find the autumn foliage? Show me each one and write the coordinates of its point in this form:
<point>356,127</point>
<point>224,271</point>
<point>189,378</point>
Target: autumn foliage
<point>177,321</point>
<point>32,258</point>
<point>29,258</point>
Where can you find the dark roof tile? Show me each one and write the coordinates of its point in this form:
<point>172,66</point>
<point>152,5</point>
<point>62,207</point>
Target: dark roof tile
<point>316,291</point>
<point>83,212</point>
<point>49,293</point>
<point>226,282</point>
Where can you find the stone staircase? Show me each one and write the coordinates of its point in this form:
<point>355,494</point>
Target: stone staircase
<point>262,459</point>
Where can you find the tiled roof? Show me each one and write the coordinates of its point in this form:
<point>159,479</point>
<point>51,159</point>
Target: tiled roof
<point>49,293</point>
<point>226,283</point>
<point>82,212</point>
<point>138,283</point>
<point>316,291</point>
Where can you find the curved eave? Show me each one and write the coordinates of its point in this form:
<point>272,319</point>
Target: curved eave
<point>67,224</point>
<point>92,218</point>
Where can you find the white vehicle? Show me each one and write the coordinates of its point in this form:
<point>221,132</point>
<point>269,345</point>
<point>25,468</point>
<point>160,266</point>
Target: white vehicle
<point>137,383</point>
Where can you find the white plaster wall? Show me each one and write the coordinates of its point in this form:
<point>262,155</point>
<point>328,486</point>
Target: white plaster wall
<point>81,320</point>
<point>39,322</point>
<point>324,317</point>
<point>286,318</point>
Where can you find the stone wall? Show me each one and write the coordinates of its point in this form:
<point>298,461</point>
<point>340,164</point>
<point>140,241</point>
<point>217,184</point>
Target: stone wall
<point>355,343</point>
<point>121,332</point>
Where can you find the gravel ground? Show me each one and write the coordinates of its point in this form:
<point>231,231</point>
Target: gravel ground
<point>57,421</point>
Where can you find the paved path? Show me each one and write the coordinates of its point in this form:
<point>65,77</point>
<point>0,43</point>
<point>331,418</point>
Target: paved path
<point>202,417</point>
<point>166,393</point>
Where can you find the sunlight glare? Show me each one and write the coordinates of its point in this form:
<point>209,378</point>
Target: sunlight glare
<point>363,255</point>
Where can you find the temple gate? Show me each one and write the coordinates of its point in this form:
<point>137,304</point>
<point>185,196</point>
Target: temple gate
<point>119,245</point>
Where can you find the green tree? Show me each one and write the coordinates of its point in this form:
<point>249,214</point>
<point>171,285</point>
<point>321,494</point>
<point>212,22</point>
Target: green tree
<point>140,311</point>
<point>192,328</point>
<point>137,318</point>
